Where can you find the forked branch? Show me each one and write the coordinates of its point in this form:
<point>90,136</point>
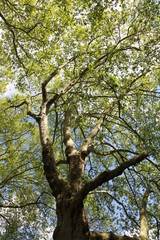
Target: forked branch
<point>29,112</point>
<point>84,149</point>
<point>50,77</point>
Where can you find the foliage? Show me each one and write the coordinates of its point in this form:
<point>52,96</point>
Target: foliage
<point>99,59</point>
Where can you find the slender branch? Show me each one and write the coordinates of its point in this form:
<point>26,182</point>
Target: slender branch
<point>16,175</point>
<point>115,199</point>
<point>29,112</point>
<point>96,64</point>
<point>36,202</point>
<point>93,150</point>
<point>4,219</point>
<point>157,223</point>
<point>130,127</point>
<point>154,164</point>
<point>10,28</point>
<point>54,73</point>
<point>3,153</point>
<point>15,138</point>
<point>132,190</point>
<point>137,78</point>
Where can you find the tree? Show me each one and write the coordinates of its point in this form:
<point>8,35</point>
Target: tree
<point>86,75</point>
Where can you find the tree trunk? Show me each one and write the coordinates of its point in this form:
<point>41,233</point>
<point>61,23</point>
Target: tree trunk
<point>71,221</point>
<point>70,192</point>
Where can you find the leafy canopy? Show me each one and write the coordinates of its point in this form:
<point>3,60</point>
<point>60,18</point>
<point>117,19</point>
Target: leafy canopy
<point>94,55</point>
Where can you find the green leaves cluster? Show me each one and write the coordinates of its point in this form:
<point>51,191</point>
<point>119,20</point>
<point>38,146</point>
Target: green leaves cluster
<point>112,49</point>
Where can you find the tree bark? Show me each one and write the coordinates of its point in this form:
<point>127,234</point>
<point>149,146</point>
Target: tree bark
<point>109,236</point>
<point>144,231</point>
<point>57,184</point>
<point>74,159</point>
<point>72,223</point>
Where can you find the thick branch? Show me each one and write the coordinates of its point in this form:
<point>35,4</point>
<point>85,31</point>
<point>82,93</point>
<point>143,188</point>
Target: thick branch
<point>66,89</point>
<point>50,77</point>
<point>44,84</point>
<point>76,163</point>
<point>57,184</point>
<point>108,175</point>
<point>109,236</point>
<point>68,141</point>
<point>144,231</point>
<point>61,162</point>
<point>84,150</point>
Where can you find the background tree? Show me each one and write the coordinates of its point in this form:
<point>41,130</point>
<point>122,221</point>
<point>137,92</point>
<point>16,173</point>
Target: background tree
<point>86,76</point>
